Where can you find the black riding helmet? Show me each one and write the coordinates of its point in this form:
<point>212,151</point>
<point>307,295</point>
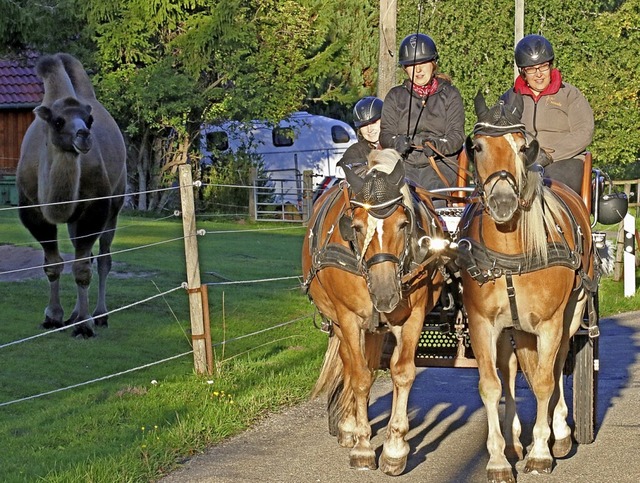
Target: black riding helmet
<point>366,111</point>
<point>533,50</point>
<point>416,49</point>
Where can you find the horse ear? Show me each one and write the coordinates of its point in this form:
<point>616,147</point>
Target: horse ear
<point>396,176</point>
<point>43,112</point>
<point>531,152</point>
<point>480,105</point>
<point>470,148</point>
<point>355,181</point>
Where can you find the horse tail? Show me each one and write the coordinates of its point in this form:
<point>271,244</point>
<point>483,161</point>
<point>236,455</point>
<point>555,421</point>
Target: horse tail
<point>57,83</point>
<point>340,398</point>
<point>79,78</point>
<point>331,372</point>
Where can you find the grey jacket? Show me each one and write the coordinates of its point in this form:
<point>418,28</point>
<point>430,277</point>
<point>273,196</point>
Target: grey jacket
<point>562,122</point>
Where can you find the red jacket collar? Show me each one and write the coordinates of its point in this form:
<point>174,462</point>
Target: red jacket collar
<point>521,86</point>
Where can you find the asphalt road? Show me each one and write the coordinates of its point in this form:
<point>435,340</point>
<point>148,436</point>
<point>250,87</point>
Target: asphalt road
<point>448,431</point>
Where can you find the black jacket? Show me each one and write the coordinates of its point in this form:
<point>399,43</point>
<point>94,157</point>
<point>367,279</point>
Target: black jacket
<point>439,118</point>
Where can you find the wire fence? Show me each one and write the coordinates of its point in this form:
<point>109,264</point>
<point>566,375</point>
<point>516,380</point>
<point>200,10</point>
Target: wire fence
<point>183,286</point>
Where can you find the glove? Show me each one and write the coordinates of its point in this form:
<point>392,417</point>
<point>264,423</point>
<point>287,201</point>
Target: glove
<point>402,144</point>
<point>544,159</point>
<point>427,150</point>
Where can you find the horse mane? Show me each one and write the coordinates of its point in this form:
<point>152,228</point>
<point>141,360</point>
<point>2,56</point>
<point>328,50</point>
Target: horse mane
<point>539,220</point>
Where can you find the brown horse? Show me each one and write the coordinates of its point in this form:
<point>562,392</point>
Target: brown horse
<point>528,274</point>
<point>72,170</point>
<point>370,261</point>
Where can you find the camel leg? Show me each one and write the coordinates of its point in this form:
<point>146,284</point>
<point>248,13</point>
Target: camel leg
<point>484,343</point>
<point>543,384</point>
<point>104,267</point>
<point>508,366</point>
<point>84,233</point>
<point>47,235</point>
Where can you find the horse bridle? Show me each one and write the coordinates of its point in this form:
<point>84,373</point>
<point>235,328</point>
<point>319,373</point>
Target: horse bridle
<point>502,175</point>
<point>400,262</point>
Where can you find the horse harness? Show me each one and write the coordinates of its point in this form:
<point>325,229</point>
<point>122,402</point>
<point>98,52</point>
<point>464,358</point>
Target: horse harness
<point>486,265</point>
<point>324,253</point>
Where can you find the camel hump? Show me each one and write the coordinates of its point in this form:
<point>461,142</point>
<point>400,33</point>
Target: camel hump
<point>57,83</point>
<point>78,75</point>
<point>64,76</point>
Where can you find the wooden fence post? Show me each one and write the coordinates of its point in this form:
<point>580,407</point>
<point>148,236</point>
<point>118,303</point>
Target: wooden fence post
<point>307,195</point>
<point>194,288</point>
<point>252,194</point>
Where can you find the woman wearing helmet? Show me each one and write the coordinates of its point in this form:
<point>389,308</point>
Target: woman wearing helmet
<point>555,112</point>
<point>424,113</point>
<point>366,119</point>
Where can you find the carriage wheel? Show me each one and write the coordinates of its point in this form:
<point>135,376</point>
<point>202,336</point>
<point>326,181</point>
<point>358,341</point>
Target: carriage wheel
<point>585,385</point>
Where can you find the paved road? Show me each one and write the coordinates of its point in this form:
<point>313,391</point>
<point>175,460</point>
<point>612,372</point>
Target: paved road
<point>448,431</point>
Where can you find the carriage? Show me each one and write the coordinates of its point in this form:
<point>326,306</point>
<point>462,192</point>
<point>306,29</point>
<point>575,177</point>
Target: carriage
<point>460,286</point>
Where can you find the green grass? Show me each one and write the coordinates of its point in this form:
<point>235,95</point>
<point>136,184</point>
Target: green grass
<point>138,426</point>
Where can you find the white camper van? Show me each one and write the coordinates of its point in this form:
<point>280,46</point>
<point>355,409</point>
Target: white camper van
<point>301,142</point>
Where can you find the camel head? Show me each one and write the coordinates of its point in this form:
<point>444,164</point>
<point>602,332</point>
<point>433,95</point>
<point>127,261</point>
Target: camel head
<point>69,123</point>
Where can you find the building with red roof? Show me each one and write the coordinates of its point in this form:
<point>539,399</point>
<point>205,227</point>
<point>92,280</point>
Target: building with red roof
<point>20,91</point>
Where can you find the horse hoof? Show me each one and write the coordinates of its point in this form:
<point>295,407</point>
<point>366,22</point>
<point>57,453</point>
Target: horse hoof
<point>503,475</point>
<point>514,452</point>
<point>392,466</point>
<point>362,460</point>
<point>561,447</point>
<point>538,466</point>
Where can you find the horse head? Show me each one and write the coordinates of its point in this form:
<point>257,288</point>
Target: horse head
<point>381,221</point>
<point>69,123</point>
<point>503,159</point>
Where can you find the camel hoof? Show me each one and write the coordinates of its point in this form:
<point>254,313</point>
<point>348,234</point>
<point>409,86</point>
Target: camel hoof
<point>392,466</point>
<point>362,460</point>
<point>538,466</point>
<point>101,320</point>
<point>84,331</point>
<point>49,323</point>
<point>514,452</point>
<point>561,447</point>
<point>503,475</point>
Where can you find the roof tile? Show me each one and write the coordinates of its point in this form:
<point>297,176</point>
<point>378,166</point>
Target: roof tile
<point>19,83</point>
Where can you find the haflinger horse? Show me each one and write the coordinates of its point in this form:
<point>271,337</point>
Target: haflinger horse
<point>371,263</point>
<point>72,170</point>
<point>528,273</point>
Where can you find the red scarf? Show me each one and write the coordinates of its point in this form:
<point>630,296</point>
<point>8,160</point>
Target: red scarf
<point>425,91</point>
<point>521,86</point>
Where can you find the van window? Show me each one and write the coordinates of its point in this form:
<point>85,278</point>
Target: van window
<point>283,136</point>
<point>217,141</point>
<point>339,134</point>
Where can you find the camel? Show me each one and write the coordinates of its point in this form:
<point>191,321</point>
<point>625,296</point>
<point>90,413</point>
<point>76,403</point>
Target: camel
<point>72,170</point>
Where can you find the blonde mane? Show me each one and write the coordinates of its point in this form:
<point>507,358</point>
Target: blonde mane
<point>538,220</point>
